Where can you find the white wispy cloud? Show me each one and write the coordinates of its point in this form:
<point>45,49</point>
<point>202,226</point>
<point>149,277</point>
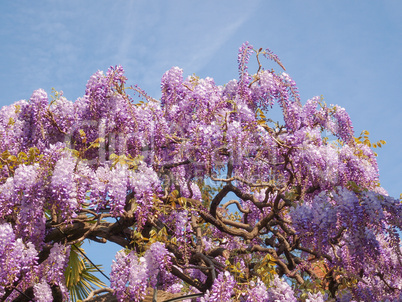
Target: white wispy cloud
<point>186,34</point>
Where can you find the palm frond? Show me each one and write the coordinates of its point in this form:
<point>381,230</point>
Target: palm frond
<point>79,274</point>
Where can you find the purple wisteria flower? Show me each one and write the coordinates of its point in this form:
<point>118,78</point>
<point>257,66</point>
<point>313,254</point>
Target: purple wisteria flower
<point>64,188</point>
<point>157,259</point>
<point>42,292</point>
<point>52,269</point>
<point>17,259</point>
<point>130,275</point>
<point>258,292</point>
<point>280,291</point>
<point>317,297</point>
<point>221,290</point>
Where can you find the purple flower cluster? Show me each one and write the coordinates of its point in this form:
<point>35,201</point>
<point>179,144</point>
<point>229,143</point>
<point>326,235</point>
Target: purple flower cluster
<point>257,292</point>
<point>64,187</point>
<point>280,291</point>
<point>344,128</point>
<point>130,275</point>
<point>245,51</point>
<point>21,197</point>
<point>221,290</point>
<point>18,261</point>
<point>157,259</point>
<point>145,183</point>
<point>43,292</point>
<point>180,223</point>
<point>361,222</point>
<point>110,186</point>
<point>53,267</point>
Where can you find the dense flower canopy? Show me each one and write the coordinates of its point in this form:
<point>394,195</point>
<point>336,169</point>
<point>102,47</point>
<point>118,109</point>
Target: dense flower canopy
<point>201,189</point>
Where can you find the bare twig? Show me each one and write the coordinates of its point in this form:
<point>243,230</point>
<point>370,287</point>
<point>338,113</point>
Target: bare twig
<point>98,291</point>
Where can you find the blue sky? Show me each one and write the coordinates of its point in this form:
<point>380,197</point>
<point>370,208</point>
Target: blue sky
<point>348,51</point>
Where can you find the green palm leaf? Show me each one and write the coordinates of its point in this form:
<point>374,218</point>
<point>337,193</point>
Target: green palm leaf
<point>79,274</point>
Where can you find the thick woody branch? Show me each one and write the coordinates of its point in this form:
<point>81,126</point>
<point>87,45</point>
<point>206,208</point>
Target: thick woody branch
<point>197,284</point>
<point>237,203</point>
<point>248,235</point>
<point>78,230</point>
<point>217,199</point>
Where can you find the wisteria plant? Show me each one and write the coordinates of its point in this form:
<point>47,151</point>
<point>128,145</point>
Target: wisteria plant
<point>202,190</point>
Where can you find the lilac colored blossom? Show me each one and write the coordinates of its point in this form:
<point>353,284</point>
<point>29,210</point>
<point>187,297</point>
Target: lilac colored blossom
<point>97,85</point>
<point>291,85</point>
<point>64,188</point>
<point>119,274</point>
<point>35,125</point>
<point>16,258</point>
<point>12,133</point>
<point>197,274</point>
<point>21,196</point>
<point>131,275</point>
<point>270,55</point>
<point>264,93</point>
<point>28,255</point>
<point>221,290</point>
<point>117,188</point>
<point>362,218</point>
<point>111,185</point>
<point>280,291</point>
<point>175,288</point>
<point>144,183</point>
<point>230,90</point>
<point>116,74</point>
<point>344,125</point>
<point>258,292</point>
<point>61,111</point>
<point>157,260</point>
<point>99,186</point>
<point>309,112</point>
<point>171,86</point>
<point>243,57</point>
<point>52,269</point>
<point>180,220</point>
<point>317,297</point>
<point>43,292</point>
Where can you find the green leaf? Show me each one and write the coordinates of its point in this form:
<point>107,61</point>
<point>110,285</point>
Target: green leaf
<point>113,156</point>
<point>17,108</point>
<point>80,279</point>
<point>5,154</point>
<point>22,157</point>
<point>83,135</point>
<point>12,158</point>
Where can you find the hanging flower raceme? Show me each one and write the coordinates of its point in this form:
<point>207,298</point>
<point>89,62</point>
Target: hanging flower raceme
<point>18,261</point>
<point>221,290</point>
<point>130,275</point>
